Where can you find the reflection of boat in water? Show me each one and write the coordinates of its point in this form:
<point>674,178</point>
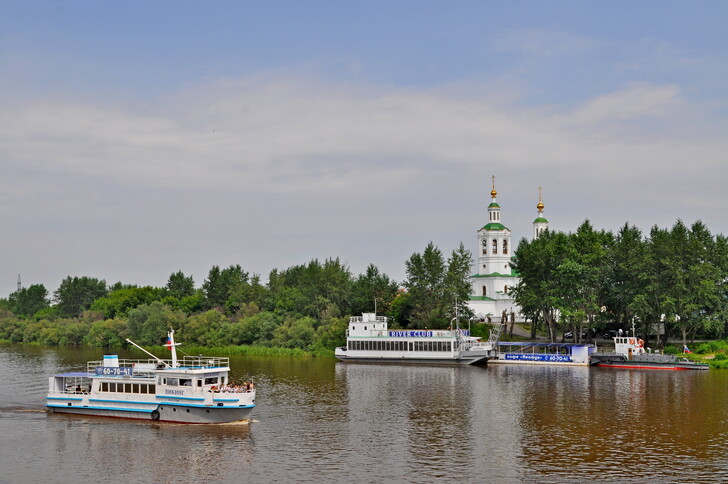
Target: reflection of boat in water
<point>195,389</point>
<point>368,340</point>
<point>630,353</point>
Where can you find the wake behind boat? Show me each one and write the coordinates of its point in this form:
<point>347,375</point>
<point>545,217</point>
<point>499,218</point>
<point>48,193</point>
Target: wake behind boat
<point>369,340</point>
<point>193,390</point>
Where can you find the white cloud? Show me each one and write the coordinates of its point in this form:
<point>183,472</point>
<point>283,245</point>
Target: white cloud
<point>270,172</point>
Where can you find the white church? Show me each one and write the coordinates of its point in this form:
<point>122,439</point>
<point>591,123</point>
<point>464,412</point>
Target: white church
<point>492,283</point>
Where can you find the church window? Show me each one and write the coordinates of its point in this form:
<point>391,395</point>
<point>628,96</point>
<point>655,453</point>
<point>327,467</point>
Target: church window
<point>505,289</point>
<point>485,291</point>
<point>495,246</point>
<point>505,246</point>
<point>485,246</point>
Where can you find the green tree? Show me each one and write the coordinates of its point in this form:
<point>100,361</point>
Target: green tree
<point>118,302</point>
<point>318,290</point>
<point>149,323</point>
<point>536,262</point>
<point>626,275</point>
<point>426,286</point>
<point>206,329</point>
<point>370,287</point>
<point>457,281</point>
<point>28,301</point>
<point>255,330</point>
<point>179,285</point>
<point>76,294</point>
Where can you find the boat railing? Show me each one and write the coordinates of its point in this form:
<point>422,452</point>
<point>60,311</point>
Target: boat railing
<point>204,362</point>
<point>139,365</point>
<point>150,365</point>
<point>360,319</point>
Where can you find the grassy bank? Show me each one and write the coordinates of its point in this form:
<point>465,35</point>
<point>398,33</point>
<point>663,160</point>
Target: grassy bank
<point>245,350</point>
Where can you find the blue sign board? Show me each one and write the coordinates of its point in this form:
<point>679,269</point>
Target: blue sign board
<point>537,357</point>
<point>113,371</point>
<point>410,334</point>
<point>425,333</point>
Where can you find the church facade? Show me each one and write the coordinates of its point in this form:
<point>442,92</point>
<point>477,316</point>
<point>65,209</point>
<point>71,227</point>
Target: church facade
<point>494,278</point>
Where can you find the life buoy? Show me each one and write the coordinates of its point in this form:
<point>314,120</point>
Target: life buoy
<point>640,343</point>
<point>155,415</point>
<point>380,333</point>
<point>631,341</point>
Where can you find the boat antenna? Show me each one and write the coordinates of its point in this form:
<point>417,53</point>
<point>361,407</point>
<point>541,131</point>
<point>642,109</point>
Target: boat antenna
<point>153,356</point>
<point>172,346</point>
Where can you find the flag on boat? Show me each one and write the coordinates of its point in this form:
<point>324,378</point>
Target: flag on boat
<point>168,344</point>
<point>686,349</point>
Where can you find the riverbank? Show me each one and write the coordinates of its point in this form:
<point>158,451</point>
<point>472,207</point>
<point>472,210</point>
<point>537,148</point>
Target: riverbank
<point>231,350</point>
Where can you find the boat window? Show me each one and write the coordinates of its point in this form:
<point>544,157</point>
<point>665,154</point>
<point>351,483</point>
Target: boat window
<point>127,387</point>
<point>152,389</point>
<point>185,382</point>
<point>112,387</point>
<point>211,381</point>
<point>199,383</point>
<point>104,386</point>
<point>172,382</point>
<point>135,388</point>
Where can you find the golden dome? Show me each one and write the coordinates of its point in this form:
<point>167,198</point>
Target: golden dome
<point>539,206</point>
<point>493,193</point>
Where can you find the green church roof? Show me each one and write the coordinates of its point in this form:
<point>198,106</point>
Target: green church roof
<point>493,205</point>
<point>541,220</point>
<point>495,226</point>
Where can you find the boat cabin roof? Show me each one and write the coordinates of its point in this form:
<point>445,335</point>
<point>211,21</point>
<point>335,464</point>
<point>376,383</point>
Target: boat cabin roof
<point>543,345</point>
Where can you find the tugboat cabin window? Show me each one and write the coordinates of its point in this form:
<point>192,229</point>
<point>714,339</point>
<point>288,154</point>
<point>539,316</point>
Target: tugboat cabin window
<point>185,382</point>
<point>212,381</point>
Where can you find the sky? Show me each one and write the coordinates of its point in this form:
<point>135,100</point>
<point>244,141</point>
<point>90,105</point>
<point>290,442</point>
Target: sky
<point>138,139</point>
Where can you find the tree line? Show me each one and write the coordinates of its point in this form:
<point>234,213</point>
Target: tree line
<point>670,283</point>
<point>304,306</point>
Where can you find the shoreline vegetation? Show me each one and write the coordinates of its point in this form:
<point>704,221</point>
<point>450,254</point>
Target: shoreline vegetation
<point>671,285</point>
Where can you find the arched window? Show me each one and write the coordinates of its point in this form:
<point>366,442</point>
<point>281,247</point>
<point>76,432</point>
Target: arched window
<point>485,246</point>
<point>505,289</point>
<point>485,291</point>
<point>495,246</point>
<point>505,246</point>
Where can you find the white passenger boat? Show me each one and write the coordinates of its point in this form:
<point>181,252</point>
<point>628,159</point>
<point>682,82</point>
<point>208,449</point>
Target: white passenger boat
<point>195,389</point>
<point>369,340</point>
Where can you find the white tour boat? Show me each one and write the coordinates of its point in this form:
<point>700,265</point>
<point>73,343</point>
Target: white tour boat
<point>368,340</point>
<point>195,389</point>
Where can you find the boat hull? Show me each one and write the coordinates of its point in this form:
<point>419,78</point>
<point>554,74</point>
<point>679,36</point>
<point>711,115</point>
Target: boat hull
<point>651,366</point>
<point>162,413</point>
<point>644,362</point>
<point>474,361</point>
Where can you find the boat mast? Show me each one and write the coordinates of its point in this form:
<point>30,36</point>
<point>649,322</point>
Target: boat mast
<point>153,356</point>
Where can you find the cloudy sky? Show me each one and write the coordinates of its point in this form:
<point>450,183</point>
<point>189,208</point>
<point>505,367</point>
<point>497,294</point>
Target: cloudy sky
<point>142,138</point>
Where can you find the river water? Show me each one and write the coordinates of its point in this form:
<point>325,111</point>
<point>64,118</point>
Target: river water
<point>322,421</point>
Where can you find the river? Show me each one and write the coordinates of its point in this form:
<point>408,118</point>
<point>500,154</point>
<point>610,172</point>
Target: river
<point>322,421</point>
